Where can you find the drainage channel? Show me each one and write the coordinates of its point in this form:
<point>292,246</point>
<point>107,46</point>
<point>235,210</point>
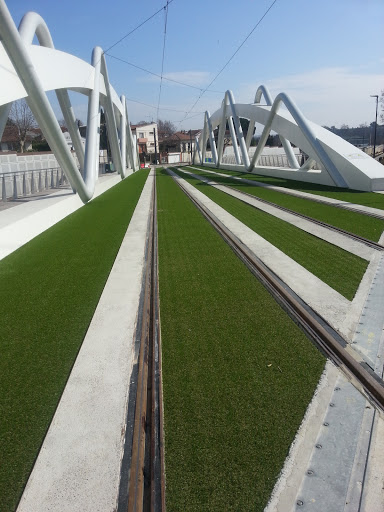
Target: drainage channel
<point>145,461</point>
<point>327,340</point>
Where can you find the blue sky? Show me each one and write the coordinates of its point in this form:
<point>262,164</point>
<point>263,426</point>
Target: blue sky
<point>328,55</point>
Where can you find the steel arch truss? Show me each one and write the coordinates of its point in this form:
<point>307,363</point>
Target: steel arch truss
<point>28,71</point>
<point>341,163</point>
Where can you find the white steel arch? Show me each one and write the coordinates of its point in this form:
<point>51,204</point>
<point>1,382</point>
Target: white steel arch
<point>28,71</point>
<point>342,164</point>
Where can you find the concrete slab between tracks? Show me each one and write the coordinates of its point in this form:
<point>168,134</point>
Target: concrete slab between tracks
<point>78,467</point>
<point>22,223</point>
<point>330,236</point>
<point>304,195</point>
<point>327,302</point>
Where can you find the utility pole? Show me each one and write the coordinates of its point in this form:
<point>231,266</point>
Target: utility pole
<point>190,147</point>
<point>154,133</point>
<point>374,137</point>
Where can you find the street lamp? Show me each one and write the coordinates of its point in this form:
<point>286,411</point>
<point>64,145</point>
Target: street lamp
<point>374,137</point>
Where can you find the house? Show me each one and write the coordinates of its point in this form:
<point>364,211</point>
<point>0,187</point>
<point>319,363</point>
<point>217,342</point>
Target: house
<point>178,147</point>
<point>10,140</point>
<point>146,135</point>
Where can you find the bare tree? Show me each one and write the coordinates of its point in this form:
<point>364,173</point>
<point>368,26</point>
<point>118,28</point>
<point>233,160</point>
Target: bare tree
<point>165,128</point>
<point>23,119</point>
<point>62,123</point>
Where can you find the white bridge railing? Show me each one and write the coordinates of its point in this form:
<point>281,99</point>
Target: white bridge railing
<point>19,184</point>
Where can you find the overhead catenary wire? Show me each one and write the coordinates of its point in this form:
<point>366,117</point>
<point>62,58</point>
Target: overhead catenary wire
<point>139,26</point>
<point>162,60</point>
<point>159,76</point>
<point>230,58</point>
<point>161,108</point>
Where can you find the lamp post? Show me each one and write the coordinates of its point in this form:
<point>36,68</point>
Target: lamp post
<point>374,137</point>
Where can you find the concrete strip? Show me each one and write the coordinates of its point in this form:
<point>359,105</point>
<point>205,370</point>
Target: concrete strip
<point>373,494</point>
<point>348,327</point>
<point>344,242</point>
<point>21,224</point>
<point>78,467</point>
<point>370,327</point>
<point>304,195</point>
<point>328,303</point>
<point>325,480</point>
<point>285,490</point>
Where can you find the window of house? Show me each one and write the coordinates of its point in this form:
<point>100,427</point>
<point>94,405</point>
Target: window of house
<point>141,135</point>
<point>150,133</point>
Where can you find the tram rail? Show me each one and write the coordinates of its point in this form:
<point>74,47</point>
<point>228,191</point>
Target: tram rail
<point>316,328</point>
<point>357,238</point>
<point>146,488</point>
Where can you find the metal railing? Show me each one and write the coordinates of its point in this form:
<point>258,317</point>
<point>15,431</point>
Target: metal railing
<point>19,184</point>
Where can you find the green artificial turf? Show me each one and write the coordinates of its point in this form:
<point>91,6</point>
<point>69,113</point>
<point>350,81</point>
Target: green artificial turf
<point>49,289</point>
<point>238,374</point>
<point>356,223</point>
<point>344,194</point>
<point>340,269</point>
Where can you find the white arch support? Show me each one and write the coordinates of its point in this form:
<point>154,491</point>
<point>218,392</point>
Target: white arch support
<point>341,163</point>
<point>28,71</point>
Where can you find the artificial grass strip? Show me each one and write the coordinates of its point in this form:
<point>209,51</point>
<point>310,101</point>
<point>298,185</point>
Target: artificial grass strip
<point>238,374</point>
<point>370,199</point>
<point>353,222</point>
<point>340,269</point>
<point>49,289</point>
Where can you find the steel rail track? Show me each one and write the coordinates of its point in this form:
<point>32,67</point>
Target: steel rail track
<point>358,238</point>
<point>291,192</point>
<point>320,332</point>
<point>146,488</point>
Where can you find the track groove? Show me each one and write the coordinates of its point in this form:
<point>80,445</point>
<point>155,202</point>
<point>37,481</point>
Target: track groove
<point>146,488</point>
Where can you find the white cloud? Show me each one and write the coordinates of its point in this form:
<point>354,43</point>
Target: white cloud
<point>327,96</point>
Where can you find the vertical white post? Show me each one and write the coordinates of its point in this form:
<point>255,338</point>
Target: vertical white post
<point>234,140</point>
<point>220,138</point>
<point>211,138</point>
<point>123,134</point>
<point>204,140</point>
<point>239,130</point>
<point>4,190</point>
<point>14,187</point>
